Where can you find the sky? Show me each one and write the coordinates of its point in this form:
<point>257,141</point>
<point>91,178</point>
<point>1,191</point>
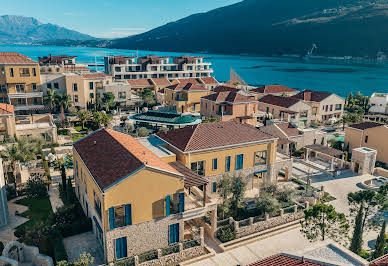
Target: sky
<point>109,18</point>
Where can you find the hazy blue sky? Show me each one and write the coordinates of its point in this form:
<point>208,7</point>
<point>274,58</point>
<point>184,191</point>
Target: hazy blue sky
<point>109,18</point>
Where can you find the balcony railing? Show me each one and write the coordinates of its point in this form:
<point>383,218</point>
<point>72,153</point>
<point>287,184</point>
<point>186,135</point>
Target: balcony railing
<point>25,95</point>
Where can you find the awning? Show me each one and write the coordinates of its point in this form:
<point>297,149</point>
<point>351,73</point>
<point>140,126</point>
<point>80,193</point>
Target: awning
<point>259,172</point>
<point>191,179</point>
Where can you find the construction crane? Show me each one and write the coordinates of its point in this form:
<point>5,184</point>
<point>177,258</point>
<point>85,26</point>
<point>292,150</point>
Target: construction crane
<point>310,52</point>
<point>235,79</point>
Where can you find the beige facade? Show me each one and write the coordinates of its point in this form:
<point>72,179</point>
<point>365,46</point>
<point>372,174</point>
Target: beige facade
<point>183,101</point>
<point>373,138</point>
<point>53,81</point>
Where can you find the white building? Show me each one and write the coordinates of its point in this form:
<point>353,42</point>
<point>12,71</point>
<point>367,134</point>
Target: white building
<point>379,103</point>
<point>150,66</point>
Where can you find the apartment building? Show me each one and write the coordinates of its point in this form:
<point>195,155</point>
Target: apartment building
<point>185,97</point>
<point>20,83</point>
<point>155,83</point>
<point>325,106</point>
<point>53,81</point>
<point>229,105</point>
<point>60,64</point>
<point>151,66</point>
<point>214,149</point>
<point>370,135</point>
<point>139,200</point>
<point>36,125</point>
<point>379,103</point>
<point>287,109</point>
<point>83,88</point>
<point>278,90</point>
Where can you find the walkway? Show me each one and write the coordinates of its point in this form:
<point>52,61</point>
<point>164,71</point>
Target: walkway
<point>7,232</point>
<point>56,201</point>
<point>86,242</point>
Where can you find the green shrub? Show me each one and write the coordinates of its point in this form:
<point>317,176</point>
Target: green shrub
<point>36,188</point>
<point>190,244</point>
<point>225,234</point>
<point>150,255</point>
<point>62,131</point>
<point>298,153</point>
<point>364,254</point>
<point>58,248</point>
<point>142,132</point>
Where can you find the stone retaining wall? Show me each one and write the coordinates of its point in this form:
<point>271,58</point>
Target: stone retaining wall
<point>175,258</point>
<point>270,223</point>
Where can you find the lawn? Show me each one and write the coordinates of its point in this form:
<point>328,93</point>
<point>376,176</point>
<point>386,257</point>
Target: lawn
<point>39,211</point>
<point>77,136</point>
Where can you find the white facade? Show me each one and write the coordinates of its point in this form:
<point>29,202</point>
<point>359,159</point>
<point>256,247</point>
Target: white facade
<point>156,67</point>
<point>379,103</point>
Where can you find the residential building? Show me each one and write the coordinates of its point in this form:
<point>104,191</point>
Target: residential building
<point>151,66</point>
<point>278,90</point>
<point>121,91</point>
<point>370,135</point>
<point>184,97</point>
<point>139,200</point>
<point>292,138</point>
<point>229,105</point>
<point>53,81</point>
<point>20,83</point>
<point>214,149</point>
<point>286,109</point>
<point>60,64</point>
<point>37,125</point>
<point>154,83</point>
<point>83,88</point>
<point>379,103</point>
<point>325,106</point>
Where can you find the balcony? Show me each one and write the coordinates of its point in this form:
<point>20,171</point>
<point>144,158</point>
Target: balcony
<point>194,204</point>
<point>27,107</point>
<point>19,95</point>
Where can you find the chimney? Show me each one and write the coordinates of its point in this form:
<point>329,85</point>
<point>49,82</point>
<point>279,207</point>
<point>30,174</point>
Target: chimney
<point>307,96</point>
<point>94,142</point>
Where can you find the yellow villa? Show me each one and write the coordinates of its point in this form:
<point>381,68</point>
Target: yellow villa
<point>137,200</point>
<point>20,83</point>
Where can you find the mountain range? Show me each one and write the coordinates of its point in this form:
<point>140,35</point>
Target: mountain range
<point>274,27</point>
<point>19,29</point>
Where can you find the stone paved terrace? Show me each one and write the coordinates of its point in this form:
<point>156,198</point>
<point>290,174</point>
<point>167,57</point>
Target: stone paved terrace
<point>7,232</point>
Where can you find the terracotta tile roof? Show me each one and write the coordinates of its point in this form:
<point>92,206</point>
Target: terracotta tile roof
<point>111,156</point>
<point>6,109</point>
<point>313,96</point>
<point>190,80</point>
<point>366,125</point>
<point>230,97</point>
<point>9,58</point>
<point>285,102</point>
<point>225,88</point>
<point>140,82</point>
<point>95,75</point>
<point>382,261</point>
<point>268,89</point>
<point>209,80</point>
<point>325,150</point>
<point>161,81</point>
<point>186,87</point>
<point>286,260</point>
<point>213,135</point>
<point>190,178</point>
<point>289,129</point>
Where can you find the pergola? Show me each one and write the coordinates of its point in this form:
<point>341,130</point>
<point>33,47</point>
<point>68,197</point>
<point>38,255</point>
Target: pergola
<point>327,151</point>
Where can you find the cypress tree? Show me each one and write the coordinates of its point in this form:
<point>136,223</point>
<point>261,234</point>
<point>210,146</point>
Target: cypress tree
<point>380,243</point>
<point>63,175</point>
<point>356,243</point>
<point>69,189</point>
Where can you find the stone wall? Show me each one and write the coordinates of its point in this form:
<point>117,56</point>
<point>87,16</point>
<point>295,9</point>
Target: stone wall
<point>381,172</point>
<point>145,236</point>
<point>270,223</point>
<point>26,255</point>
<point>175,258</point>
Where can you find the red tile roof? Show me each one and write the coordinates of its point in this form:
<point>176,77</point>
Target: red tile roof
<point>286,260</point>
<point>285,102</point>
<point>189,80</point>
<point>9,58</point>
<point>6,109</point>
<point>289,129</point>
<point>366,125</point>
<point>209,80</point>
<point>382,261</point>
<point>225,88</point>
<point>161,81</point>
<point>268,89</point>
<point>140,82</point>
<point>213,135</point>
<point>313,96</point>
<point>111,156</point>
<point>186,87</point>
<point>190,178</point>
<point>95,75</point>
<point>230,97</point>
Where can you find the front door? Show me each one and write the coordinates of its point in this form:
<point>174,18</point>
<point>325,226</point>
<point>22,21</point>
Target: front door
<point>356,167</point>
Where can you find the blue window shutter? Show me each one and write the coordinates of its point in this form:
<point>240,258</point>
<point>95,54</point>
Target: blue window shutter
<point>176,231</point>
<point>121,247</point>
<point>228,164</point>
<point>181,202</point>
<point>242,161</point>
<point>214,186</point>
<point>128,214</point>
<point>168,205</point>
<point>111,218</point>
<point>171,234</point>
<point>118,248</point>
<point>124,247</point>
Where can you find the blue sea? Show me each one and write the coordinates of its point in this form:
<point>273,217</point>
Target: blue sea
<point>338,76</point>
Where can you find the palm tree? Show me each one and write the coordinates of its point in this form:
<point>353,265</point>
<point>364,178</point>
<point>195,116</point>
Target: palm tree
<point>108,100</point>
<point>64,102</point>
<point>83,116</point>
<point>49,98</point>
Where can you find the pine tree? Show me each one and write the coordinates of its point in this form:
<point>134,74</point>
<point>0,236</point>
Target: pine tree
<point>356,243</point>
<point>380,243</point>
